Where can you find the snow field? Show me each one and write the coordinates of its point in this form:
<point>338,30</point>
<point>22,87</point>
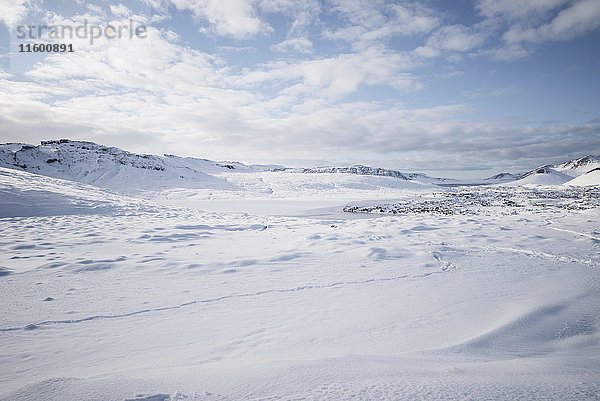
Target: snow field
<point>112,297</point>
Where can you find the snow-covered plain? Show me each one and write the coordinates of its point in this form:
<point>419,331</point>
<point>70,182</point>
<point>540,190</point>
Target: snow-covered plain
<point>258,285</point>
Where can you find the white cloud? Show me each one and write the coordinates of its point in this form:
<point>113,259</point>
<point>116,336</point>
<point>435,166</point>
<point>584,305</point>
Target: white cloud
<point>120,10</point>
<point>576,20</point>
<point>298,45</point>
<point>450,74</point>
<point>427,52</point>
<point>243,19</point>
<point>302,12</point>
<point>518,9</point>
<point>523,25</point>
<point>167,94</point>
<point>333,77</point>
<point>180,109</point>
<point>457,38</point>
<point>508,53</point>
<point>95,9</point>
<point>450,41</point>
<point>368,22</point>
<point>13,11</point>
<point>235,18</point>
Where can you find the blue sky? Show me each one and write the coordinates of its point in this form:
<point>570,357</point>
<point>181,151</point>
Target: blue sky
<point>453,88</point>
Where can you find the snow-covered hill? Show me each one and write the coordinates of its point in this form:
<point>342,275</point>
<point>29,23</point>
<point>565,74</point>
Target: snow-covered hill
<point>127,172</point>
<point>502,177</point>
<point>113,168</point>
<point>588,179</point>
<point>123,171</point>
<point>549,174</point>
<point>542,176</point>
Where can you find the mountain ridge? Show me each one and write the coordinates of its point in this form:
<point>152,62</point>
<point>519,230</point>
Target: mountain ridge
<point>112,167</point>
<point>93,163</point>
<point>561,171</point>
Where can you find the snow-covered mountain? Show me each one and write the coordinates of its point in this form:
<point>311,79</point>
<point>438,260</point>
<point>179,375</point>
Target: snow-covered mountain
<point>579,166</point>
<point>120,170</point>
<point>114,168</point>
<point>562,173</point>
<point>553,174</point>
<point>117,169</point>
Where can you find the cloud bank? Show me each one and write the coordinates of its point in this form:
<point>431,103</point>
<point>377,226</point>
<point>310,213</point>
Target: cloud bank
<point>312,80</point>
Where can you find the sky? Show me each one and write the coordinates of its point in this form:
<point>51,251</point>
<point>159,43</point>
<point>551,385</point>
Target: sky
<point>464,88</point>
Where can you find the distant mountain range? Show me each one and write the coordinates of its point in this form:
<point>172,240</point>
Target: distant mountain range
<point>359,169</point>
<point>114,168</point>
<point>553,174</point>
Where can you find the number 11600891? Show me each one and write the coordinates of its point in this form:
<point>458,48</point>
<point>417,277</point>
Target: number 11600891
<point>45,48</point>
